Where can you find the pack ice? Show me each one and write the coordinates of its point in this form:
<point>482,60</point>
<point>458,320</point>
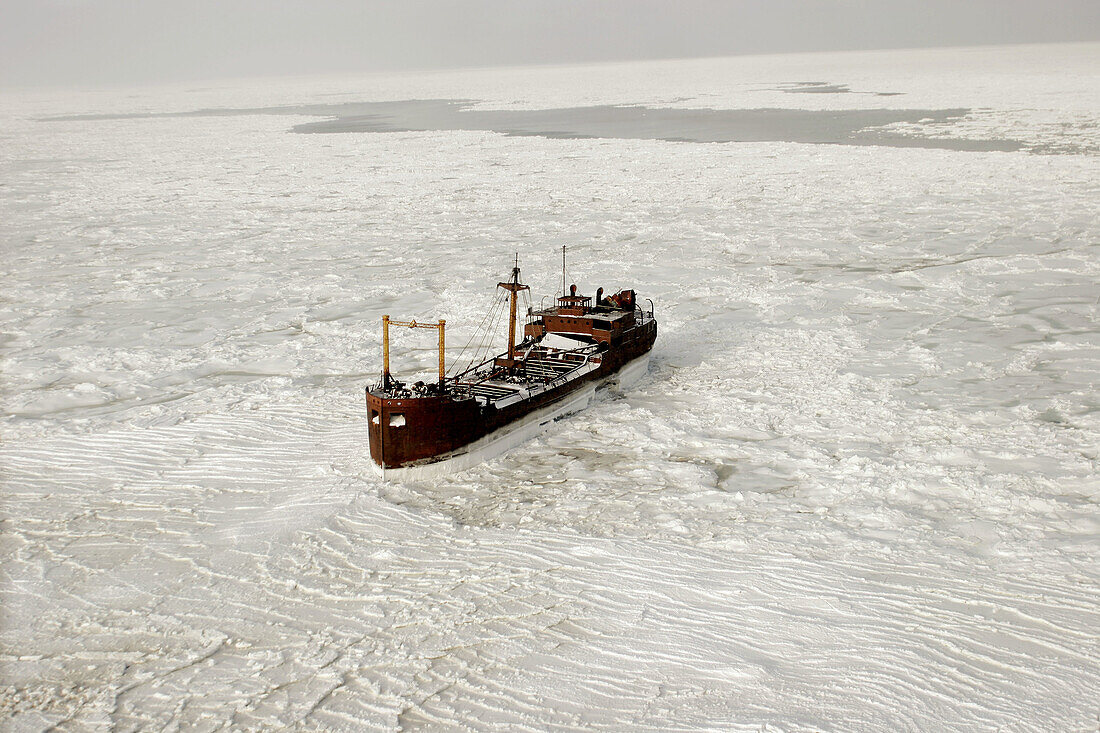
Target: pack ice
<point>856,489</point>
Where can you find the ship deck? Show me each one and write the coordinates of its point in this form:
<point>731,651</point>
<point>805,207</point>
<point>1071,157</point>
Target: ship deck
<point>545,370</point>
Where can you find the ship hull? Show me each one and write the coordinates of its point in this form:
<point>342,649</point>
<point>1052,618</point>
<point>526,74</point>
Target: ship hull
<point>422,431</point>
<point>499,441</point>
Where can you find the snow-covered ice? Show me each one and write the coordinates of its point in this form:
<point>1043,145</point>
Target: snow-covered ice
<point>856,490</point>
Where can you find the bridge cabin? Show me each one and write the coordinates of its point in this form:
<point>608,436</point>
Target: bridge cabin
<point>604,323</point>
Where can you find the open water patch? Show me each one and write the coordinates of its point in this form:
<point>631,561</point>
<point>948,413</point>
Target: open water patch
<point>836,127</point>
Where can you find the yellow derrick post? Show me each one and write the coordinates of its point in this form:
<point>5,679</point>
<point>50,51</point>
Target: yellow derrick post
<point>413,324</point>
<point>385,346</point>
<point>442,371</point>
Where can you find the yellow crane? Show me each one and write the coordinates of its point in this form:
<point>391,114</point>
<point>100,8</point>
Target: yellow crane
<point>386,323</point>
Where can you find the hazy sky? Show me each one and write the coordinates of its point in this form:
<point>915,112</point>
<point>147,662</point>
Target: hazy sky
<point>118,41</point>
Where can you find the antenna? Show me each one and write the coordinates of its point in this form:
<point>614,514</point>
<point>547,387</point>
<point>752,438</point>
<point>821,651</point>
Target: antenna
<point>563,280</point>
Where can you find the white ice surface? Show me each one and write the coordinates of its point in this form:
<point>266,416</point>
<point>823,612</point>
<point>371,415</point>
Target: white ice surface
<point>857,489</point>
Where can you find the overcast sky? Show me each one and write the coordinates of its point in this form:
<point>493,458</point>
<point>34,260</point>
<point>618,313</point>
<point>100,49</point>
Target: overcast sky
<point>92,42</point>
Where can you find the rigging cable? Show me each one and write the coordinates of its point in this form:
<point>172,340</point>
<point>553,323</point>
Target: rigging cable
<point>475,340</point>
<point>498,317</point>
<point>486,336</point>
<point>458,359</point>
<point>527,306</point>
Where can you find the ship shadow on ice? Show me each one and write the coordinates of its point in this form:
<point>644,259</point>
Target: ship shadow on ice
<point>544,421</point>
<point>508,487</point>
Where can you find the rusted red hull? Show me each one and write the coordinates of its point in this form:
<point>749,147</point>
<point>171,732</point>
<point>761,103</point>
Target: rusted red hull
<point>410,431</point>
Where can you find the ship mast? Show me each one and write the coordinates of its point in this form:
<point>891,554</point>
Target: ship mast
<point>513,287</point>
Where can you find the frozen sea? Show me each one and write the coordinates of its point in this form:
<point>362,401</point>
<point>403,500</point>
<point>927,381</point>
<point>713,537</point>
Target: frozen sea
<point>857,489</point>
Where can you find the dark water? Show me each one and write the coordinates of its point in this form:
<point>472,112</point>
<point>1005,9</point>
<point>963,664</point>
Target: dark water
<point>837,127</point>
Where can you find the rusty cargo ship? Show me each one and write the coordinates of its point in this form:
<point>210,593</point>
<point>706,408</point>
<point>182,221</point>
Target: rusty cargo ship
<point>566,351</point>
